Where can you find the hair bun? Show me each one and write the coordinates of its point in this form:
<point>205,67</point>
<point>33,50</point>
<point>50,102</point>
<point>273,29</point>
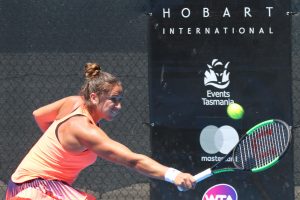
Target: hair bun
<point>92,70</point>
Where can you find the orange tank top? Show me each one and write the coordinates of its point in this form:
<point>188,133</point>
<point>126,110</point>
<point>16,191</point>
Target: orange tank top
<point>48,159</point>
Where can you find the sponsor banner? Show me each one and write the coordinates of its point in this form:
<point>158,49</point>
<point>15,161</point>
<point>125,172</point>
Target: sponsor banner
<point>205,55</point>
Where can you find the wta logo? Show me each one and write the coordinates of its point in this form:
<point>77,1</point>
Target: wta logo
<point>220,192</point>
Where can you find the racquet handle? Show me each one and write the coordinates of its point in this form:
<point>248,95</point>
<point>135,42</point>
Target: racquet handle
<point>203,175</point>
<point>199,177</point>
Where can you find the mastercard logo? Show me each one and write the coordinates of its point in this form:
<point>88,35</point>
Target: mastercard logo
<point>215,139</point>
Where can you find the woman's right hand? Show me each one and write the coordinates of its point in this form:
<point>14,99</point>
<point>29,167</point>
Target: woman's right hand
<point>185,181</point>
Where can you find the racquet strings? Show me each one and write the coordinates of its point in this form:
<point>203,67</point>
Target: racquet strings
<point>261,147</point>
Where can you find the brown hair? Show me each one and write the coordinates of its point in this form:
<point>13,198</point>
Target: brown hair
<point>97,81</point>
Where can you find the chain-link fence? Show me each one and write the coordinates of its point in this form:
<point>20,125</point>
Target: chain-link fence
<point>296,92</point>
<point>43,48</point>
<point>41,60</point>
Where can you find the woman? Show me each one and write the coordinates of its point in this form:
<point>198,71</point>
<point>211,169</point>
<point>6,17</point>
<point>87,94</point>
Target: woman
<point>72,141</point>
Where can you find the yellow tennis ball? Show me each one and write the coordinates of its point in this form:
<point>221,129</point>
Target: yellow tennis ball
<point>235,111</point>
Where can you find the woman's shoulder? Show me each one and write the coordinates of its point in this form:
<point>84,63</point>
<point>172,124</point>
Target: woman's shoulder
<point>70,104</point>
<point>74,99</point>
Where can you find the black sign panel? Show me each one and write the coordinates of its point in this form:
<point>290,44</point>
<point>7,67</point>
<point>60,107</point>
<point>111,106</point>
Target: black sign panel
<point>205,55</point>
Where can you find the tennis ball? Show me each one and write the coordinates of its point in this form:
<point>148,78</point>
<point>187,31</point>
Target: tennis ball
<point>235,111</point>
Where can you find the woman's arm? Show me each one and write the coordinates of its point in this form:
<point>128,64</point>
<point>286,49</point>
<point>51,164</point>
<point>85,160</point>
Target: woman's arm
<point>96,140</point>
<point>44,116</point>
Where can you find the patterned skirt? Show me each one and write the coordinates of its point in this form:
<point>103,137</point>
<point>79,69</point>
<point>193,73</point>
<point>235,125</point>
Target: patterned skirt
<point>44,190</point>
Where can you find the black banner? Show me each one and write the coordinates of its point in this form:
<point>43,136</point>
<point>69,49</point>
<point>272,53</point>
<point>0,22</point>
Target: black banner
<point>203,56</point>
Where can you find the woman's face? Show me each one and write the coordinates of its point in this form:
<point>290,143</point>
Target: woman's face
<point>110,104</point>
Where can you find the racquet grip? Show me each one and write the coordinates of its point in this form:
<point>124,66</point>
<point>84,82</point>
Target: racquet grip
<point>203,175</point>
<point>199,177</point>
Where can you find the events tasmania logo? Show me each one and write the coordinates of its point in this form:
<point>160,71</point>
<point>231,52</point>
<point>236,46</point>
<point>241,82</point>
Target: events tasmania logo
<point>220,192</point>
<point>217,74</point>
<point>216,79</point>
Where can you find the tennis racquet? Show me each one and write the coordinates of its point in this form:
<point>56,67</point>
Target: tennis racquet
<point>259,149</point>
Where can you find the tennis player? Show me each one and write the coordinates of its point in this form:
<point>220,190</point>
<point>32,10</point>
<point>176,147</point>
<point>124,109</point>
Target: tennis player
<point>72,141</point>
